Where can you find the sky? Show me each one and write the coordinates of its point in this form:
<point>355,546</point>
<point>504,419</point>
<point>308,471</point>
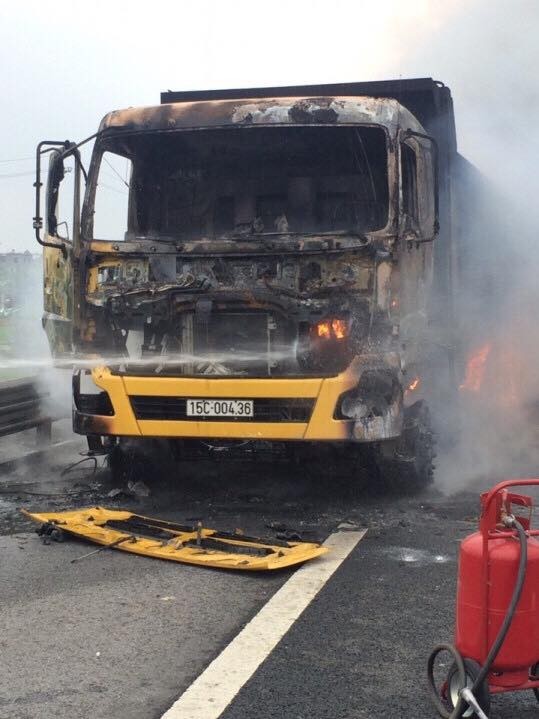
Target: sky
<point>66,63</point>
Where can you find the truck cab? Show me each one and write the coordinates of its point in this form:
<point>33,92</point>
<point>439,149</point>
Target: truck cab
<point>247,265</point>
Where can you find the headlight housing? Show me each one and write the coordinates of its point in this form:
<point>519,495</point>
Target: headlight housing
<point>88,397</point>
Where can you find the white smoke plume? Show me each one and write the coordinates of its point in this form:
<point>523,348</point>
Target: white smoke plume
<point>487,53</point>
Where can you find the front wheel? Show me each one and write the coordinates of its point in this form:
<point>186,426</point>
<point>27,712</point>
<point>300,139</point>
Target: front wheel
<point>130,463</point>
<point>409,466</point>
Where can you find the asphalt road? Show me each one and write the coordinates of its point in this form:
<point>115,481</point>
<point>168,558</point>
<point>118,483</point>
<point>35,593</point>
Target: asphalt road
<point>121,637</point>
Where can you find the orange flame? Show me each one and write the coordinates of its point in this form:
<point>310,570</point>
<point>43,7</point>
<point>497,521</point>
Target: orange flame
<point>414,384</point>
<point>336,328</point>
<point>339,328</point>
<point>475,369</point>
<point>323,329</point>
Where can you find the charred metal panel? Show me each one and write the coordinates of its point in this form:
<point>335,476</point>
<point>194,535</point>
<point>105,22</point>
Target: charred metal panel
<point>58,300</point>
<point>300,111</point>
<point>289,294</point>
<point>375,404</point>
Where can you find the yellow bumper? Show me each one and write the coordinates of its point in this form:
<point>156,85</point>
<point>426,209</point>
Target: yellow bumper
<point>324,392</point>
<point>175,542</point>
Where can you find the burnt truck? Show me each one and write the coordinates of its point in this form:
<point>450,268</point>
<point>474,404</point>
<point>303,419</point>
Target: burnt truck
<point>257,267</point>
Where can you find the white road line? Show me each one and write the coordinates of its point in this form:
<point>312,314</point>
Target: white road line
<point>210,694</point>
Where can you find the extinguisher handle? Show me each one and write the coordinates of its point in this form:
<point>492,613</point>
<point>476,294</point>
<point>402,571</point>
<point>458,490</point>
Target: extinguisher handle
<point>486,517</point>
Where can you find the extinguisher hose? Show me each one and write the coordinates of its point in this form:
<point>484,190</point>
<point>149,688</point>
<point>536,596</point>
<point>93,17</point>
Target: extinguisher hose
<point>461,705</point>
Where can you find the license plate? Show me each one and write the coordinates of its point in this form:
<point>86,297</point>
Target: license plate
<point>220,408</point>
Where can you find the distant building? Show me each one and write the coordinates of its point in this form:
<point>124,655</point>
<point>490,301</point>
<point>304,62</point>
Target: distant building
<point>10,259</point>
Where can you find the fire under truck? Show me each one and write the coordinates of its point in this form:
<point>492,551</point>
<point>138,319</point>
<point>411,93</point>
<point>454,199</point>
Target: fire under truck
<point>258,267</point>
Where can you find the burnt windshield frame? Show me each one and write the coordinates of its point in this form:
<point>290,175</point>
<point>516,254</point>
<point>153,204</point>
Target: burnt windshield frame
<point>107,141</point>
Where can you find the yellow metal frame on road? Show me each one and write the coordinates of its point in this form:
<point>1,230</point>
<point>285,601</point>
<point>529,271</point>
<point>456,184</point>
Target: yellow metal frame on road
<point>167,540</point>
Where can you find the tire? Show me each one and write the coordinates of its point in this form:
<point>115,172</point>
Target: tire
<point>129,465</point>
<point>410,468</point>
<point>481,694</point>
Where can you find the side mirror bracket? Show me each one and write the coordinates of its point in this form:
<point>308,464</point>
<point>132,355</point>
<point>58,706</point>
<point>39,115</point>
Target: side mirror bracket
<point>57,173</point>
<point>62,149</point>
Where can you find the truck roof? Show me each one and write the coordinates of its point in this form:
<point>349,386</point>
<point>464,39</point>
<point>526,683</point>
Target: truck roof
<point>296,110</point>
<point>427,99</point>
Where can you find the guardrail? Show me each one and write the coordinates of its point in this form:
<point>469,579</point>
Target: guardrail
<point>24,406</point>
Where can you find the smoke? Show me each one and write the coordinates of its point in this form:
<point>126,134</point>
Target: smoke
<point>488,55</point>
<point>24,351</point>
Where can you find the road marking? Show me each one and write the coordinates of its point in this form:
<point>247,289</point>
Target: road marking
<point>211,693</point>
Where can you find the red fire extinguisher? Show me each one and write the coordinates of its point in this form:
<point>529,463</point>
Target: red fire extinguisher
<point>497,615</point>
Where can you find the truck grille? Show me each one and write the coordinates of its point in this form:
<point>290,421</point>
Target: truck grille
<point>265,410</point>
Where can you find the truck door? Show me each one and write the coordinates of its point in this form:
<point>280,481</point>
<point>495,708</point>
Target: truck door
<point>60,248</point>
<point>418,228</point>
